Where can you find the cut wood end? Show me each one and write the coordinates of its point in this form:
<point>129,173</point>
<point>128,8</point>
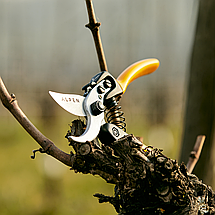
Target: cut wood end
<point>195,153</point>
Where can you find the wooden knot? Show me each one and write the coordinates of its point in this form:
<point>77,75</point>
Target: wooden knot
<point>93,26</point>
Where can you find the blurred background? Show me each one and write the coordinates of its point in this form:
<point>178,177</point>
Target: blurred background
<point>44,46</point>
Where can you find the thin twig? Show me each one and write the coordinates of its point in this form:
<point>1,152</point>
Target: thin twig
<point>93,25</point>
<point>10,102</point>
<point>195,154</point>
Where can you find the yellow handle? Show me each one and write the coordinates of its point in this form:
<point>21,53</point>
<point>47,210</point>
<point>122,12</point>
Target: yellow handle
<point>136,70</point>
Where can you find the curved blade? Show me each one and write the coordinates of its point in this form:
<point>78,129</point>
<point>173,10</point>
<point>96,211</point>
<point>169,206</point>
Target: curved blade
<point>70,102</point>
<point>94,122</point>
<point>92,130</point>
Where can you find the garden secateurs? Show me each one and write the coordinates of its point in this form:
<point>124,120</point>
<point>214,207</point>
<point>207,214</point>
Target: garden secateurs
<point>99,104</point>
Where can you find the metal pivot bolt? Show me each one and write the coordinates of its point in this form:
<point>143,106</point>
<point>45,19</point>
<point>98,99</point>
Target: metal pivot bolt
<point>97,108</point>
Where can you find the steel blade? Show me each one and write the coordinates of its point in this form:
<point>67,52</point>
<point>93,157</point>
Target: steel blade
<point>70,102</point>
<point>94,121</point>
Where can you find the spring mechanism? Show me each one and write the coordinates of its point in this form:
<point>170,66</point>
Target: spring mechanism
<point>114,115</point>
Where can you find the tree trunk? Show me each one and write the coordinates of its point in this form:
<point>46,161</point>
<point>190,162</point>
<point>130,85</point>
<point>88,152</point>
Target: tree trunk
<point>200,109</point>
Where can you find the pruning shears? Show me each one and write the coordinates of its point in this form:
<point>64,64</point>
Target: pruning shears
<point>99,103</point>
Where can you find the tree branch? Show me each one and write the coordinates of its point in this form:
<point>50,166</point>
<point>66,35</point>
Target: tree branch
<point>195,154</point>
<point>147,182</point>
<point>93,25</point>
<point>10,102</point>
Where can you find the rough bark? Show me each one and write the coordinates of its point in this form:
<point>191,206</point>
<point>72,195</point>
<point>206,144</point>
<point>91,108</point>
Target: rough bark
<point>147,182</point>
